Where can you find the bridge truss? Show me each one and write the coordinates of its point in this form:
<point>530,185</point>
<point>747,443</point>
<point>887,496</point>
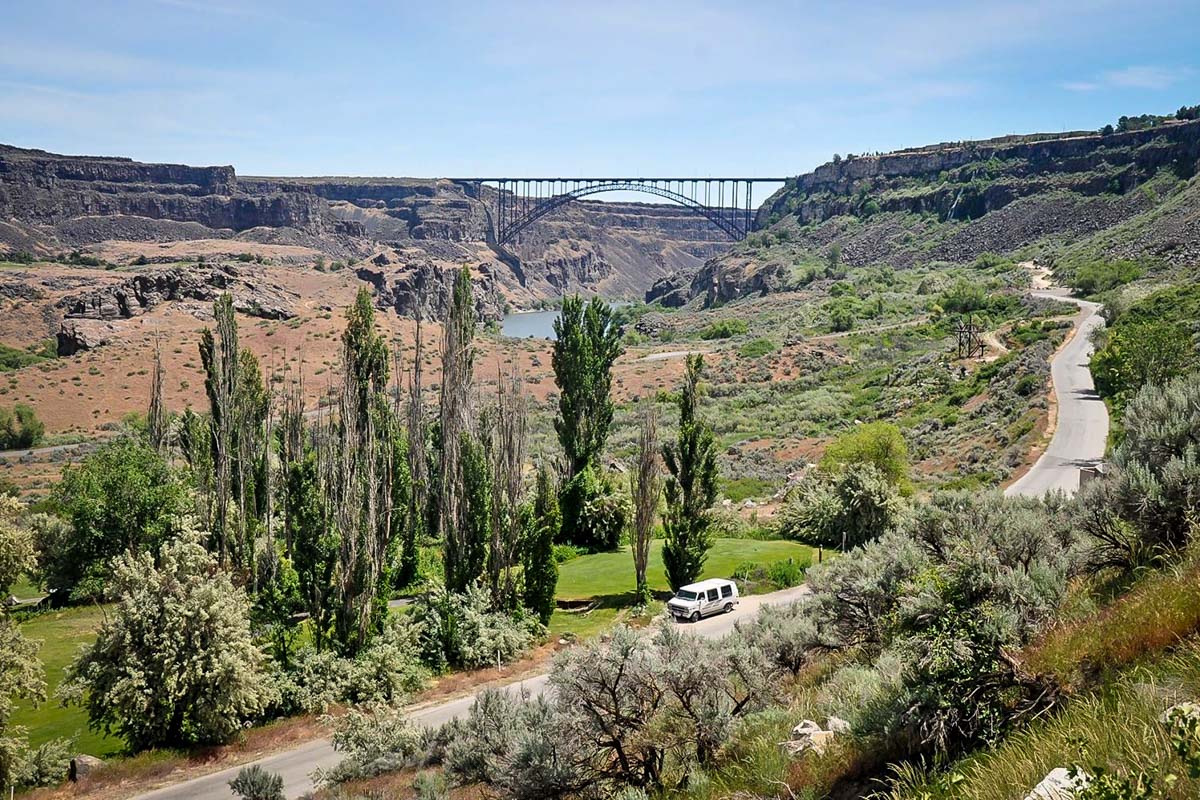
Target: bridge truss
<point>516,203</point>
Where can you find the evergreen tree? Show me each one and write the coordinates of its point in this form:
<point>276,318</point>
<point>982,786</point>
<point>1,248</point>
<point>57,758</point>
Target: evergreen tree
<point>691,486</point>
<point>541,570</point>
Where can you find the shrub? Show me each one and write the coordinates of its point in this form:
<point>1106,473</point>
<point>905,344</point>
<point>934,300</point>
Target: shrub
<point>756,348</point>
<point>1154,487</point>
<point>964,297</point>
<point>375,741</point>
<point>20,428</point>
<point>47,764</point>
<point>724,329</point>
<point>880,444</point>
<point>843,510</point>
<point>255,783</point>
<point>1100,276</point>
<point>175,664</point>
<point>462,630</point>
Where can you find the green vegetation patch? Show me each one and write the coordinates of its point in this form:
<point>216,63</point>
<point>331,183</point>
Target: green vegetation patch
<point>610,575</point>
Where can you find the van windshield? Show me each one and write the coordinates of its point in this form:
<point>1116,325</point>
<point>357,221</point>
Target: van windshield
<point>684,594</point>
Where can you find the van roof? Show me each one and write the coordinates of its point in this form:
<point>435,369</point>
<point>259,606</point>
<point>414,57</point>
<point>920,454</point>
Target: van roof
<point>711,583</point>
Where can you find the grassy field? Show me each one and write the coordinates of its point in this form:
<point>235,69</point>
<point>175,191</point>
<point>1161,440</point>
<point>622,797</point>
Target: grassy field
<point>62,633</point>
<point>608,577</point>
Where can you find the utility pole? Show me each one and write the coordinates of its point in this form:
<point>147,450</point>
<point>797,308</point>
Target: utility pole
<point>970,343</point>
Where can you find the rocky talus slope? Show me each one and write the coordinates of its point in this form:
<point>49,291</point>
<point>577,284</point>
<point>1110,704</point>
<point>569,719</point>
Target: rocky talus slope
<point>1070,197</point>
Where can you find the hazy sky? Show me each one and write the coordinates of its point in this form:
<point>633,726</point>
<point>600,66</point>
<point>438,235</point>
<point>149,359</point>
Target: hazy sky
<point>445,88</point>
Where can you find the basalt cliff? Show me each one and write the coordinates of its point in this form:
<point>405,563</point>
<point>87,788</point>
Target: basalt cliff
<point>402,236</point>
<point>1062,199</point>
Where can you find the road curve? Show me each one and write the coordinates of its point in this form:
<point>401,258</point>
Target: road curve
<point>296,766</point>
<point>1081,433</point>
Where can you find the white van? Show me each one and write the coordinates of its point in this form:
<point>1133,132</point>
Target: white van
<point>696,600</point>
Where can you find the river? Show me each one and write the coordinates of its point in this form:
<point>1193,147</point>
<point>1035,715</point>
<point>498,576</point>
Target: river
<point>538,324</point>
<point>524,324</point>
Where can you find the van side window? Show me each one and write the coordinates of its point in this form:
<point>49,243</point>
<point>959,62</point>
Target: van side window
<point>726,591</point>
<point>712,594</point>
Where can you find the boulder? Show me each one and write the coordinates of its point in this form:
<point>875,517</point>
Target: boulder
<point>83,334</point>
<point>1059,785</point>
<point>806,736</point>
<point>83,765</point>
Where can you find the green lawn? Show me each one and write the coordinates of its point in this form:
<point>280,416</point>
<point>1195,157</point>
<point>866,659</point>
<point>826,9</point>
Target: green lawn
<point>610,575</point>
<point>62,633</point>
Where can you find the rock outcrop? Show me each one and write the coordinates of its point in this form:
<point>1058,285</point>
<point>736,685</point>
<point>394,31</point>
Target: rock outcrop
<point>422,290</point>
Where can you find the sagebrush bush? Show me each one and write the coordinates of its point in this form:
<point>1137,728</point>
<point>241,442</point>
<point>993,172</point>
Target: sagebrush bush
<point>375,741</point>
<point>255,783</point>
<point>463,630</point>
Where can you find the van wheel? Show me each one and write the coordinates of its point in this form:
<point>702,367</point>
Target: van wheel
<point>728,607</point>
<point>695,617</point>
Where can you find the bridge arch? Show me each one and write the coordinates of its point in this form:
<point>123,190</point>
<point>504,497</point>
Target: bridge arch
<point>517,203</point>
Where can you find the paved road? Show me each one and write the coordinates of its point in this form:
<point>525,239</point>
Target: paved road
<point>1081,433</point>
<point>296,766</point>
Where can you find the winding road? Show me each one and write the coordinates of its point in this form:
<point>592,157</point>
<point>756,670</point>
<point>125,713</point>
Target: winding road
<point>297,765</point>
<point>1081,432</point>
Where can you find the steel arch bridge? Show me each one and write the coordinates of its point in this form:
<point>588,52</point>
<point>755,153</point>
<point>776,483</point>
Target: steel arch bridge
<point>516,203</point>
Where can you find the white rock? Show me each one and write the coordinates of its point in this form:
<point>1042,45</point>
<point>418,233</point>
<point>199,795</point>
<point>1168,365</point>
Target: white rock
<point>1059,785</point>
<point>837,725</point>
<point>805,729</point>
<point>1181,709</point>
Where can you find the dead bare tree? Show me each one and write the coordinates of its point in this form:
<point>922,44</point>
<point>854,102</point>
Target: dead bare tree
<point>645,485</point>
<point>156,420</point>
<point>219,356</point>
<point>418,468</point>
<point>458,357</point>
<point>509,438</point>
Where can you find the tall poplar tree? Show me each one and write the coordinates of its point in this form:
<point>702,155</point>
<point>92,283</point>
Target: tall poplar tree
<point>691,486</point>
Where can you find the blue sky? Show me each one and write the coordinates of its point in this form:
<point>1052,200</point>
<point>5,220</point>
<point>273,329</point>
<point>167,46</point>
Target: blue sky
<point>570,88</point>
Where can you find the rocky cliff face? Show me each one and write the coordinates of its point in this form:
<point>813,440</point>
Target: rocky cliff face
<point>1075,196</point>
<point>45,189</point>
<point>52,205</point>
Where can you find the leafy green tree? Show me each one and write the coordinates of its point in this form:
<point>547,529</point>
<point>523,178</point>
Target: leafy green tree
<point>466,553</point>
<point>175,664</point>
<point>594,511</point>
<point>122,497</point>
<point>588,341</point>
<point>20,428</point>
<point>880,444</point>
<point>541,570</point>
<point>691,486</point>
<point>1139,353</point>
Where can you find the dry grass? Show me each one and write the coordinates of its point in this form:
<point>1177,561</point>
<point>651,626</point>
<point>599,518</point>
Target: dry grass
<point>1160,610</point>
